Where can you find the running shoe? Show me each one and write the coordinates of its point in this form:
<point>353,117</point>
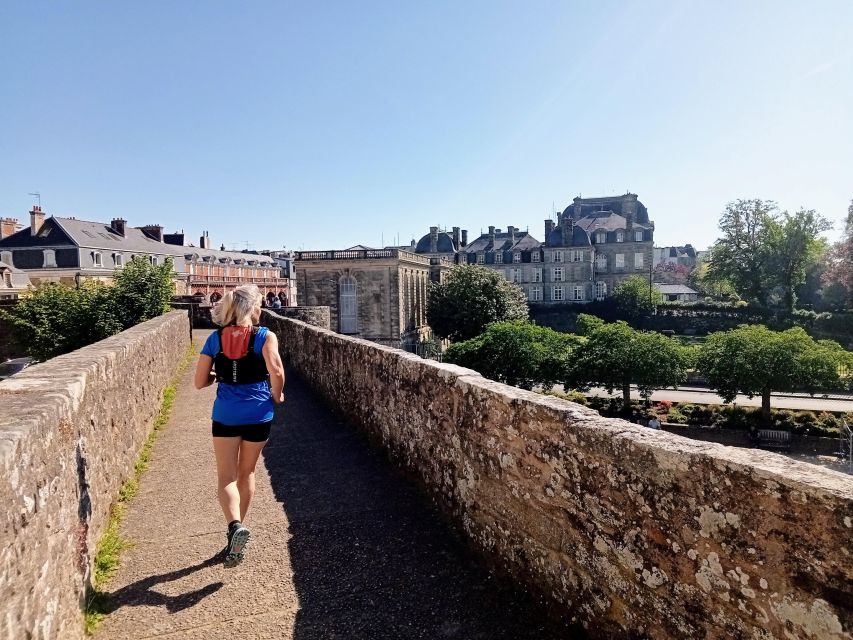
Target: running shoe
<point>238,538</point>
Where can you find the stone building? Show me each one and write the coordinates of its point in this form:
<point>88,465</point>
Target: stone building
<point>67,250</point>
<point>376,294</point>
<point>13,282</point>
<point>686,256</point>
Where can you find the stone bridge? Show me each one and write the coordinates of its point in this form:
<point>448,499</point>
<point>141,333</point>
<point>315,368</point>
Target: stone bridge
<point>401,498</point>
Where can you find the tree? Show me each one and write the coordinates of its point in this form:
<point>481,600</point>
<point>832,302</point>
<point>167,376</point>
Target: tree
<point>142,291</point>
<point>517,353</point>
<point>839,262</point>
<point>471,298</point>
<point>794,244</point>
<point>753,360</point>
<point>635,297</point>
<point>616,356</point>
<point>742,255</point>
<point>706,284</point>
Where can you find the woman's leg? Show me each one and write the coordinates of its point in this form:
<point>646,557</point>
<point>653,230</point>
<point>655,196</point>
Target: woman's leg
<point>249,454</point>
<point>227,451</point>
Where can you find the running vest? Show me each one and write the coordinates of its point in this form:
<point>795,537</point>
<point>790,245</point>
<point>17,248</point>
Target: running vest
<point>246,370</point>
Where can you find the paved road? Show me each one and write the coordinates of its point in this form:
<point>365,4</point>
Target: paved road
<point>803,402</point>
<point>343,547</point>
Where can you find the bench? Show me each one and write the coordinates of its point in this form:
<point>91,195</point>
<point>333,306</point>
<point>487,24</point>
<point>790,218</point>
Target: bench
<point>774,439</point>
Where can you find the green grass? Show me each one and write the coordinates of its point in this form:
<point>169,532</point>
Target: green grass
<point>112,544</point>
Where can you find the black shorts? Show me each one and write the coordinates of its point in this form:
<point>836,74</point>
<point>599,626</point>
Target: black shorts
<point>250,432</point>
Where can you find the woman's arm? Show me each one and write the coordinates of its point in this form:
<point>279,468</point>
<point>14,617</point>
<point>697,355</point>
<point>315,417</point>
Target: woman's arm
<point>274,366</point>
<point>204,372</point>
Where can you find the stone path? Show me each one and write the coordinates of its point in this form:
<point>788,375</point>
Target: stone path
<point>342,547</point>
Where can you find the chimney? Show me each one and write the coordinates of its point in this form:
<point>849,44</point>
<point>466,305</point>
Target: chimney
<point>464,237</point>
<point>456,238</point>
<point>153,231</point>
<point>511,232</point>
<point>629,220</point>
<point>204,241</point>
<point>36,219</point>
<point>222,247</point>
<point>8,226</point>
<point>433,239</point>
<point>119,226</point>
<point>492,234</point>
<point>567,225</point>
<point>549,227</point>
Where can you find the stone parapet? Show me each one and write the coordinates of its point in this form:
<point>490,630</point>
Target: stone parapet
<point>316,316</point>
<point>71,430</point>
<point>629,531</point>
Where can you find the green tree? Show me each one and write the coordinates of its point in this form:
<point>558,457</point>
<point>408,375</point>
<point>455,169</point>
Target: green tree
<point>794,244</point>
<point>703,280</point>
<point>838,275</point>
<point>635,297</point>
<point>142,291</point>
<point>517,353</point>
<point>755,361</point>
<point>471,298</point>
<point>588,324</point>
<point>742,256</point>
<point>616,356</point>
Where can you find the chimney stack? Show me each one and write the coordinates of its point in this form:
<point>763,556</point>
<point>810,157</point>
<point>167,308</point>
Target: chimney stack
<point>492,234</point>
<point>549,227</point>
<point>8,226</point>
<point>456,238</point>
<point>511,232</point>
<point>433,239</point>
<point>464,237</point>
<point>567,225</point>
<point>153,231</point>
<point>204,241</point>
<point>119,225</point>
<point>36,219</point>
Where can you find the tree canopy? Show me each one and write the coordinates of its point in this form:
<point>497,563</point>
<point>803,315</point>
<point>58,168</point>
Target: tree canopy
<point>753,360</point>
<point>839,262</point>
<point>54,319</point>
<point>471,298</point>
<point>635,297</point>
<point>616,356</point>
<point>517,353</point>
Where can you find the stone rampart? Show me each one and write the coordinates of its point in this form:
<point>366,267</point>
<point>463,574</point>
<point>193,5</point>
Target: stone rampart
<point>71,429</point>
<point>317,316</point>
<point>632,532</point>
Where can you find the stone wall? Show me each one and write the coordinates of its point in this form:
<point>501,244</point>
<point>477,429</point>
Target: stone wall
<point>631,532</point>
<point>317,316</point>
<point>71,429</point>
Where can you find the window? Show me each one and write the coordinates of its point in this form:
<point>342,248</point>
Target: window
<point>516,275</point>
<point>516,257</point>
<point>499,257</point>
<point>600,290</point>
<point>600,237</point>
<point>577,256</point>
<point>556,293</point>
<point>534,256</point>
<point>638,260</point>
<point>620,235</point>
<point>601,262</point>
<point>620,260</point>
<point>537,275</point>
<point>558,274</point>
<point>577,293</point>
<point>481,258</point>
<point>96,257</point>
<point>558,256</point>
<point>7,279</point>
<point>6,257</point>
<point>348,305</point>
<point>638,236</point>
<point>508,273</point>
<point>154,260</point>
<point>119,259</point>
<point>535,294</point>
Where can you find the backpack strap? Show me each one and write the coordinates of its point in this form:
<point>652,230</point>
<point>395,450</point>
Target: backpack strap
<point>219,334</point>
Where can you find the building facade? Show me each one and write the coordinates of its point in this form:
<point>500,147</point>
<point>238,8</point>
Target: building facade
<point>13,282</point>
<point>67,251</point>
<point>375,294</point>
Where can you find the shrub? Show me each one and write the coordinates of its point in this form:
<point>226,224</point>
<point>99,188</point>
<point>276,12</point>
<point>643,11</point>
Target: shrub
<point>578,397</point>
<point>675,416</point>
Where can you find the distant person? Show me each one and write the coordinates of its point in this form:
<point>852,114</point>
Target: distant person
<point>654,423</point>
<point>243,358</point>
<point>276,303</point>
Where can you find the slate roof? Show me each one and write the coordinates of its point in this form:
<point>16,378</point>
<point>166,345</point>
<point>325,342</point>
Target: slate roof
<point>580,238</point>
<point>589,207</point>
<point>445,244</point>
<point>503,242</point>
<point>607,222</point>
<point>674,289</point>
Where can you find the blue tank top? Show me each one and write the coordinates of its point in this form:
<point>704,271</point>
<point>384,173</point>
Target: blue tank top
<point>238,404</point>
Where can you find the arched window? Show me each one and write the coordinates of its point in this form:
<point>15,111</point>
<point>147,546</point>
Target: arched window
<point>600,290</point>
<point>348,305</point>
<point>601,262</point>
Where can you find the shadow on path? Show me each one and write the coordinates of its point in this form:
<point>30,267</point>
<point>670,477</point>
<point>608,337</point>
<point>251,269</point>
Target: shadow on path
<point>371,557</point>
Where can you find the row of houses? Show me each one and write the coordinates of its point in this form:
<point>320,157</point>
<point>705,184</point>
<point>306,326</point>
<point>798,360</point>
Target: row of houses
<point>68,250</point>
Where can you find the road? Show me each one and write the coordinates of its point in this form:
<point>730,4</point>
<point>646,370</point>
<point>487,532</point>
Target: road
<point>777,401</point>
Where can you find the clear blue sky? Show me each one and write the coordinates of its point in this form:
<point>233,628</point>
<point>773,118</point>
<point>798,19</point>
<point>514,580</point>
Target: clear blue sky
<point>326,124</point>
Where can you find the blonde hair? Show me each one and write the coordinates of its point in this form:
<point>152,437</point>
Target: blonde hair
<point>237,306</point>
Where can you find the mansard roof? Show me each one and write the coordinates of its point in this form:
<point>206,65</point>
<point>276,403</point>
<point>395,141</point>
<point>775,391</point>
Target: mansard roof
<point>593,207</point>
<point>444,245</point>
<point>607,222</point>
<point>503,242</point>
<point>580,238</point>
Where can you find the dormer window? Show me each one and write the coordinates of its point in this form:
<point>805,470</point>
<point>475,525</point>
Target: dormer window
<point>638,236</point>
<point>499,257</point>
<point>534,256</point>
<point>620,235</point>
<point>96,257</point>
<point>481,258</point>
<point>600,237</point>
<point>558,256</point>
<point>516,256</point>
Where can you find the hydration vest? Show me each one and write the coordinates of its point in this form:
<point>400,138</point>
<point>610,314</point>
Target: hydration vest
<point>246,370</point>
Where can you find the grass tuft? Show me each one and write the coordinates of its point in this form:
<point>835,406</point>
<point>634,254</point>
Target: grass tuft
<point>112,544</point>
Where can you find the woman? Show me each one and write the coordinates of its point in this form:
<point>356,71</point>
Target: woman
<point>243,358</point>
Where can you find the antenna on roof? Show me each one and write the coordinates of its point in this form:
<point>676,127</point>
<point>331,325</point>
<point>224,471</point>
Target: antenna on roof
<point>37,195</point>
